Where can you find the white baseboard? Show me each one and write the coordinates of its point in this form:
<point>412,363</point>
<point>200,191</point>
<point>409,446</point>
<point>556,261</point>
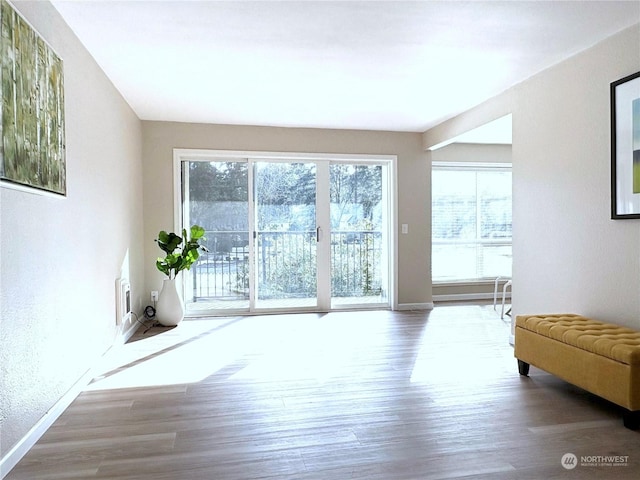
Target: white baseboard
<point>20,449</point>
<point>128,333</point>
<point>23,446</point>
<point>415,306</point>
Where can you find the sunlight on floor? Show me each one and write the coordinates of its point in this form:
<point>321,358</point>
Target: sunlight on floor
<point>294,347</point>
<point>161,359</point>
<point>245,346</point>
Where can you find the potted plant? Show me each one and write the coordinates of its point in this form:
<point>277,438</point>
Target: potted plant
<point>180,253</point>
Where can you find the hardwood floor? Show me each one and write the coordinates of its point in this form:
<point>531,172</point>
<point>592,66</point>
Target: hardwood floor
<point>362,395</point>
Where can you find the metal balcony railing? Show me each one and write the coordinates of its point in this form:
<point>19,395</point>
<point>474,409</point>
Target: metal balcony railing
<point>286,265</point>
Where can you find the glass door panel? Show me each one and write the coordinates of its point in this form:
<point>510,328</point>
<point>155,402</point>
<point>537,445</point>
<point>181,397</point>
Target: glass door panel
<point>359,242</point>
<point>286,236</point>
<point>216,198</point>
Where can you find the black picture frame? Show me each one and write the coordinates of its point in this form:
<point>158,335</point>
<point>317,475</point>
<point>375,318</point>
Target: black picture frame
<point>625,148</point>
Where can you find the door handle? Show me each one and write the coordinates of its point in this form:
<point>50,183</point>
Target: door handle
<point>317,234</point>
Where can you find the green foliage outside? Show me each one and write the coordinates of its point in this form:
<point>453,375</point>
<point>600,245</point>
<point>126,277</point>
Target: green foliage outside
<point>288,269</point>
<point>354,264</point>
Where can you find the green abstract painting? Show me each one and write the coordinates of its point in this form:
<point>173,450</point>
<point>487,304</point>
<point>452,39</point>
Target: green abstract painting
<point>33,142</point>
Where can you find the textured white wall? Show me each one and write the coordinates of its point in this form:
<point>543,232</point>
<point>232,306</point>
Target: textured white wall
<point>414,172</point>
<point>60,257</point>
<point>568,256</point>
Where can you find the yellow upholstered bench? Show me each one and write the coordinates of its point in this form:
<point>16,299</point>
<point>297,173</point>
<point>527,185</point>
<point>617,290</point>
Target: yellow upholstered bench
<point>601,358</point>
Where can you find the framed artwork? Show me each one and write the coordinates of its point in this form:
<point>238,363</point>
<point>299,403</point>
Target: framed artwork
<point>32,152</point>
<point>625,147</point>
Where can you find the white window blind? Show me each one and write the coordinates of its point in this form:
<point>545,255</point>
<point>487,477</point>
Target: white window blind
<point>471,221</point>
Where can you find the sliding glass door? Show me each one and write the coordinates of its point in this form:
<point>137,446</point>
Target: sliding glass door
<point>286,237</point>
<point>216,197</point>
<point>287,234</point>
<point>359,235</point>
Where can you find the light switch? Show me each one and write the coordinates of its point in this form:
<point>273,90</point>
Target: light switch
<point>405,228</point>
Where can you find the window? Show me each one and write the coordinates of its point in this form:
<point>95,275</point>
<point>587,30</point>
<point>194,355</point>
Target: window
<point>471,221</point>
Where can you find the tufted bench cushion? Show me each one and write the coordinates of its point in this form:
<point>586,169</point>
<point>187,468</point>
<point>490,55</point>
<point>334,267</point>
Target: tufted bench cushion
<point>599,357</point>
<point>611,341</point>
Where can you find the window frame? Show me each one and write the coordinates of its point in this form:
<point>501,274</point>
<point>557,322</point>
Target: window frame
<point>181,155</point>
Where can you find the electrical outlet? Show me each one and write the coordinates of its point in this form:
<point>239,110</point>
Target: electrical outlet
<point>154,295</point>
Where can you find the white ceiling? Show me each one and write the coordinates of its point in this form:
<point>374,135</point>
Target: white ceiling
<point>399,65</point>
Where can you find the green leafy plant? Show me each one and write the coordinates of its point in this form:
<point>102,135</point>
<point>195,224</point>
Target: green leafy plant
<point>181,251</point>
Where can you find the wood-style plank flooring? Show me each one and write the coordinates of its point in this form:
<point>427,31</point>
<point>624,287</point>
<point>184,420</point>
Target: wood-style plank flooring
<point>359,395</point>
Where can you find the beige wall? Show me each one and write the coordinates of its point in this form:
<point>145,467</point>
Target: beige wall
<point>472,152</point>
<point>61,256</point>
<point>476,291</point>
<point>414,199</point>
<point>568,256</point>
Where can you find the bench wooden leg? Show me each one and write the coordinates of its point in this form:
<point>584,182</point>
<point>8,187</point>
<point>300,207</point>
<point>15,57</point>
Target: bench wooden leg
<point>523,368</point>
<point>631,419</point>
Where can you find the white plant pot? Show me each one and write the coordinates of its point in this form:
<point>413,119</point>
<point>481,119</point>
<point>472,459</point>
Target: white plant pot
<point>169,309</point>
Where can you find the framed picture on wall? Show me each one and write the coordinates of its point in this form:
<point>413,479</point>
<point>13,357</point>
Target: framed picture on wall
<point>32,147</point>
<point>625,147</point>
